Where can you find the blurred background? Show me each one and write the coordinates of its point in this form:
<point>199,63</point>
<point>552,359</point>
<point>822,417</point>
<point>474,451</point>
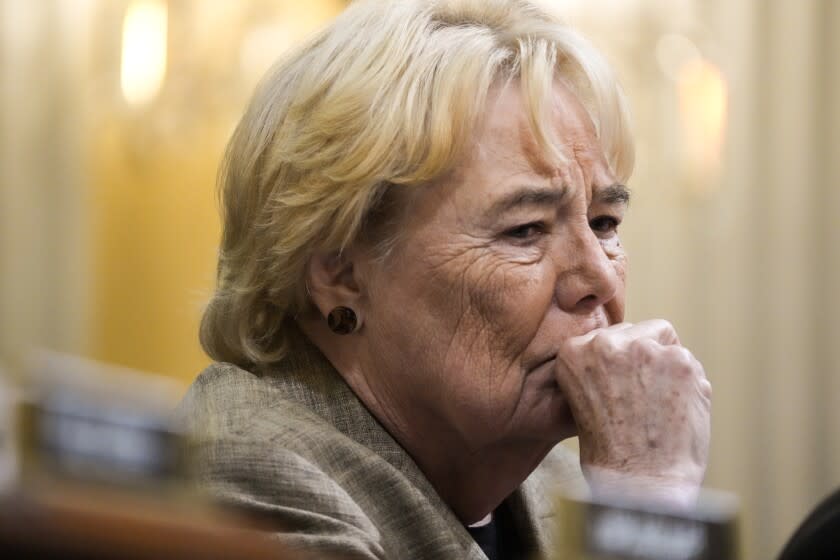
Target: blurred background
<point>114,115</point>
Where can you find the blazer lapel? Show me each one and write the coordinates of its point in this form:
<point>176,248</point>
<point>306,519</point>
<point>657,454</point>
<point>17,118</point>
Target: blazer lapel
<point>314,381</point>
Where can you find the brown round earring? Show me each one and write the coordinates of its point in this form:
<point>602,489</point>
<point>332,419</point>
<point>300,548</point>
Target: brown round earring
<point>342,320</point>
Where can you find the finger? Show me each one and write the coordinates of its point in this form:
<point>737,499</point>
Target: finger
<point>618,327</point>
<point>659,330</point>
<point>683,359</point>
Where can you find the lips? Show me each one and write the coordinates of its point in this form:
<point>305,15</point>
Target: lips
<point>597,322</point>
<point>543,373</point>
<point>542,366</point>
<point>544,361</point>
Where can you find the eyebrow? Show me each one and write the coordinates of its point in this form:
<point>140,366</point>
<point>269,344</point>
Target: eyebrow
<point>613,194</point>
<point>545,196</point>
<point>527,196</point>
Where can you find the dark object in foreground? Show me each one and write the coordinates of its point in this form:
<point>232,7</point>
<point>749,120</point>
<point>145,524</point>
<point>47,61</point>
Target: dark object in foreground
<point>819,535</point>
<point>75,527</point>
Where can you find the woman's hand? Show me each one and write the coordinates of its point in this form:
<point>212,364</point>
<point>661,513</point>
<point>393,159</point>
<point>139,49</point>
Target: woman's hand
<point>641,402</point>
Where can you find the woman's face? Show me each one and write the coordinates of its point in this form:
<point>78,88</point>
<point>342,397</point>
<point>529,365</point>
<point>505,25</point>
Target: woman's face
<point>496,265</point>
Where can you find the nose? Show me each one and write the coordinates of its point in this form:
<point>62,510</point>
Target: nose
<point>587,278</point>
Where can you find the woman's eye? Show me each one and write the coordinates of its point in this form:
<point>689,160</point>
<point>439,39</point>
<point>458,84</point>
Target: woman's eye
<point>526,231</point>
<point>604,224</point>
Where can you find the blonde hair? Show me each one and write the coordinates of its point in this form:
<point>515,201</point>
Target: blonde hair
<point>388,95</point>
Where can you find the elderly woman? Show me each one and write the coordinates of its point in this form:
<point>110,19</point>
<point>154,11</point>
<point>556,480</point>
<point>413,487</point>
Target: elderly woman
<point>421,292</point>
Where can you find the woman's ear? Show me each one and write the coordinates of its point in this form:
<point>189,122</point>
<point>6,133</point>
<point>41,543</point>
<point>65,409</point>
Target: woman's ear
<point>332,281</point>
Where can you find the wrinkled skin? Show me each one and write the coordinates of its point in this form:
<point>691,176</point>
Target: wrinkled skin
<point>641,402</point>
<point>486,334</point>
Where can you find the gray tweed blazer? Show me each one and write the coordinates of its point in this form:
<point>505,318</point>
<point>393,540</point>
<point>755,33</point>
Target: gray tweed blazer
<point>295,443</point>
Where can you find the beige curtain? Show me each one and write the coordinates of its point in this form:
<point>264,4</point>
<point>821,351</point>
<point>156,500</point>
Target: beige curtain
<point>773,268</point>
<point>44,259</point>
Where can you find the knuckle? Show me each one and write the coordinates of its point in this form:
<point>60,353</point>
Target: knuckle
<point>604,342</point>
<point>642,342</point>
<point>664,329</point>
<point>706,388</point>
<point>572,347</point>
<point>684,356</point>
<point>661,325</point>
<point>643,348</point>
<point>681,357</point>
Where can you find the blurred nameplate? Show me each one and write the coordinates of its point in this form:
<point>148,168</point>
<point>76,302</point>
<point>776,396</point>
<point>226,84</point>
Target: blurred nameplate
<point>81,421</point>
<point>625,529</point>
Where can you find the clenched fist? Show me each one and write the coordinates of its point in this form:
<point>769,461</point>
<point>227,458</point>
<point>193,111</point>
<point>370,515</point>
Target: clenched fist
<point>642,403</point>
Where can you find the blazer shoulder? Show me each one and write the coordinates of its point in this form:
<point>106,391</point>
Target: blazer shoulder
<point>260,450</point>
<point>221,380</point>
<point>222,397</point>
<point>306,506</point>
